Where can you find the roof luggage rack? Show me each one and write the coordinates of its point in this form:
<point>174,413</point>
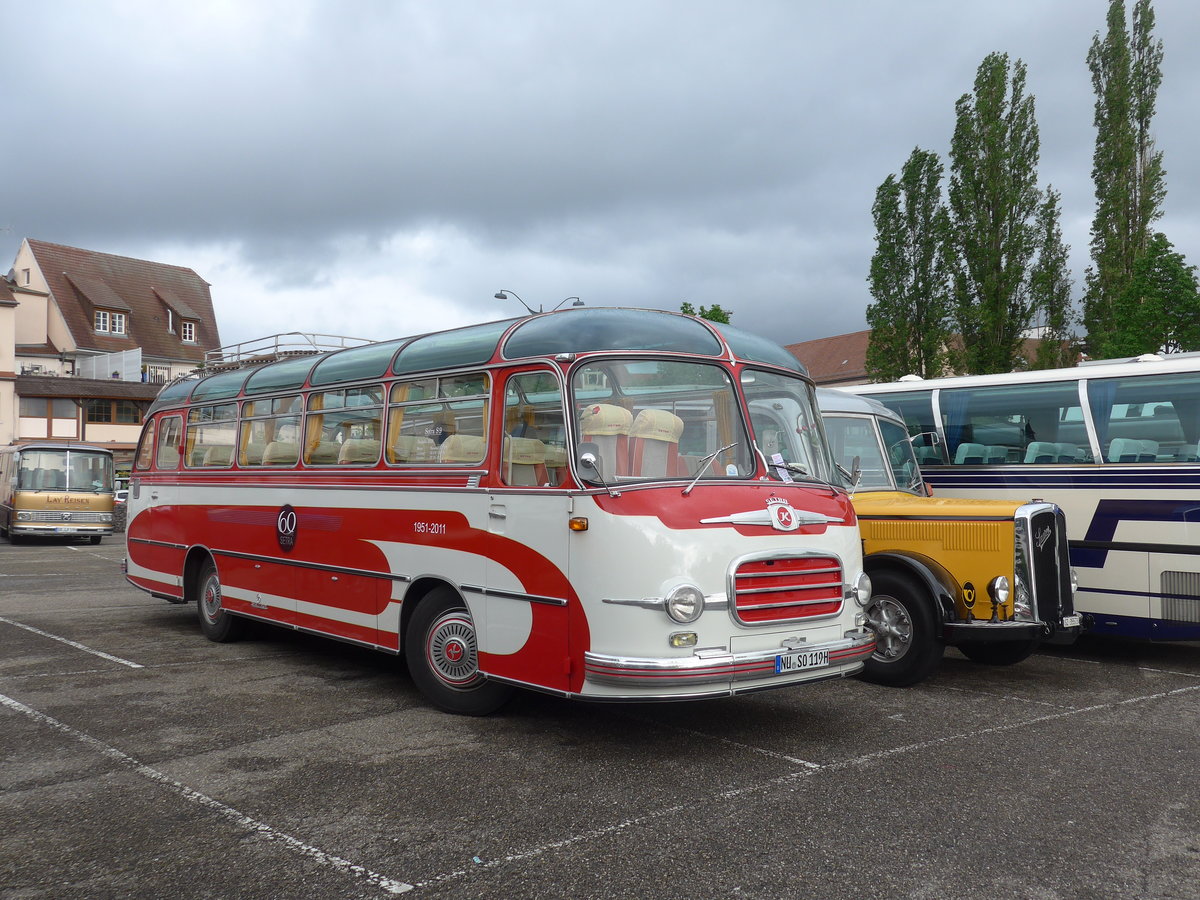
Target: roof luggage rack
<point>275,347</point>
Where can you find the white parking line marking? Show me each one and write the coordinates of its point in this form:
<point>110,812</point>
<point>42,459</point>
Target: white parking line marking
<point>391,885</point>
<point>75,644</point>
<point>734,793</point>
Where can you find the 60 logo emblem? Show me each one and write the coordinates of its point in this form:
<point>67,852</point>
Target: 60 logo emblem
<point>286,525</point>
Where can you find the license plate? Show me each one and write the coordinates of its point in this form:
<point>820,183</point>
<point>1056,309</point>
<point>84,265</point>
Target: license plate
<point>1072,621</point>
<point>66,529</point>
<point>800,659</point>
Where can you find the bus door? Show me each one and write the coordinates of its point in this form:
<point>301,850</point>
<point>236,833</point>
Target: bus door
<point>529,598</point>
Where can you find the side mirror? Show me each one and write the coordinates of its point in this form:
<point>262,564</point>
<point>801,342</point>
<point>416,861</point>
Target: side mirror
<point>589,455</point>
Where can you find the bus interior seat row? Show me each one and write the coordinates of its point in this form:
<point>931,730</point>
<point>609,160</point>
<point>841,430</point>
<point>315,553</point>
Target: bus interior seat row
<point>645,445</point>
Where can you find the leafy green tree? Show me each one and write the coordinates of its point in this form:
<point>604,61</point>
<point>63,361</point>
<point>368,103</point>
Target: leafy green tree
<point>713,313</point>
<point>1050,289</point>
<point>1159,310</point>
<point>1126,169</point>
<point>908,278</point>
<point>997,216</point>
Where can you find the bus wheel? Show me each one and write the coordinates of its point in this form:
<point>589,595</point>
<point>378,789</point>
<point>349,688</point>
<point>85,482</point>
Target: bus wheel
<point>217,624</point>
<point>1005,654</point>
<point>95,538</point>
<point>442,655</point>
<point>906,648</point>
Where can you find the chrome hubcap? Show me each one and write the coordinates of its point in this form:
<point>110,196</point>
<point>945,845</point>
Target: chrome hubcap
<point>451,649</point>
<point>892,626</point>
<point>210,598</point>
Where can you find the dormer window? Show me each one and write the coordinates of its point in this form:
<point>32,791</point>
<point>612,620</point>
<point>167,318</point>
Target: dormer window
<point>188,332</point>
<point>107,322</point>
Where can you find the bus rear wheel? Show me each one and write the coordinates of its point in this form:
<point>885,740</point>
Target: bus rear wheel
<point>217,623</point>
<point>442,652</point>
<point>1005,654</point>
<point>906,648</point>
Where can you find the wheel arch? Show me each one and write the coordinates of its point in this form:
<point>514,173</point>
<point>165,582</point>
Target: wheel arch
<point>192,565</point>
<point>421,588</point>
<point>929,573</point>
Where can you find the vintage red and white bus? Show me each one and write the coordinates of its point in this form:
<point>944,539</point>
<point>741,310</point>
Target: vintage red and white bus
<point>570,502</point>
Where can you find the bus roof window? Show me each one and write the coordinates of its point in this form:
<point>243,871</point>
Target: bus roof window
<point>758,349</point>
<point>221,386</point>
<point>279,376</point>
<point>449,349</point>
<point>605,328</point>
<point>356,363</point>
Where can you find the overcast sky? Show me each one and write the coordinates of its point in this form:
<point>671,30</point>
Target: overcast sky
<point>377,169</point>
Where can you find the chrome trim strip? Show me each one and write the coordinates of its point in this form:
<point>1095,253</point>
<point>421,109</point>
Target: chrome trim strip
<point>512,595</point>
<point>302,564</point>
<point>602,668</point>
<point>150,543</point>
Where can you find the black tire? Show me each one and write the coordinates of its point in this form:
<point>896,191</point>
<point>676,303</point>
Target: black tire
<point>216,622</point>
<point>95,539</point>
<point>1003,654</point>
<point>901,615</point>
<point>441,651</point>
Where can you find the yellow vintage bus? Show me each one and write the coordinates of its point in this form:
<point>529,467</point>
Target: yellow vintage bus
<point>56,490</point>
<point>991,577</point>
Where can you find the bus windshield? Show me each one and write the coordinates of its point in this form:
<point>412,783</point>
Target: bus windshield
<point>787,428</point>
<point>885,458</point>
<point>65,470</point>
<point>655,419</point>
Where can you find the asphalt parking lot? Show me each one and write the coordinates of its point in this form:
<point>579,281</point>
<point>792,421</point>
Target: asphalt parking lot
<point>140,760</point>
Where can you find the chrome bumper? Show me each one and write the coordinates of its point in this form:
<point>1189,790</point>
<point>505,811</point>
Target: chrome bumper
<point>845,657</point>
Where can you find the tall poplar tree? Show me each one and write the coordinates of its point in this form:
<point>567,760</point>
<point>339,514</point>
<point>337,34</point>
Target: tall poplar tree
<point>1159,311</point>
<point>1126,169</point>
<point>1050,289</point>
<point>908,278</point>
<point>999,219</point>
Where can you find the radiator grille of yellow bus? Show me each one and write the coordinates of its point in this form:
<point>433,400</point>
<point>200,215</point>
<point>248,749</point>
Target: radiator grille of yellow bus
<point>795,587</point>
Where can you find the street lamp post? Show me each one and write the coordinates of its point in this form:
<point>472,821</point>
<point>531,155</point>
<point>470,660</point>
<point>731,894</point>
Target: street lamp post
<point>504,295</point>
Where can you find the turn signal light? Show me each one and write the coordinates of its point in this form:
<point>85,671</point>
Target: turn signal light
<point>577,523</point>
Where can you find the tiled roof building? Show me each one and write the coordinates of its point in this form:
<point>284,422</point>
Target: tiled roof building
<point>840,359</point>
<point>88,338</point>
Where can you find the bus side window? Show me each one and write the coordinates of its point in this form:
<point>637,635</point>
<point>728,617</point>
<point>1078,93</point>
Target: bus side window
<point>534,453</point>
<point>169,440</point>
<point>146,447</point>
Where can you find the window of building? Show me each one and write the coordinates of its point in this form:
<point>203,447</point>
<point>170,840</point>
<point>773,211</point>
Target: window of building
<point>121,412</point>
<point>99,411</point>
<point>117,323</point>
<point>102,321</point>
<point>189,331</point>
<point>25,273</point>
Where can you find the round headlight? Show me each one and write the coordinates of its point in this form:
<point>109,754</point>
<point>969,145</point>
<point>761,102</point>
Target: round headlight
<point>685,603</point>
<point>862,589</point>
<point>999,590</point>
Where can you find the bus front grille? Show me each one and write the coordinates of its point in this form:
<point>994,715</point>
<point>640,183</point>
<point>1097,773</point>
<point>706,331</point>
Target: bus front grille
<point>1051,565</point>
<point>767,591</point>
<point>67,516</point>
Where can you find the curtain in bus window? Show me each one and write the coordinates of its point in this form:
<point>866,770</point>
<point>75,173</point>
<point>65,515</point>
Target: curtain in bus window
<point>954,418</point>
<point>1100,398</point>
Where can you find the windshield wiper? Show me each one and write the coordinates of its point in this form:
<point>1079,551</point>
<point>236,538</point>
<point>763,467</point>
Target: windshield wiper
<point>704,464</point>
